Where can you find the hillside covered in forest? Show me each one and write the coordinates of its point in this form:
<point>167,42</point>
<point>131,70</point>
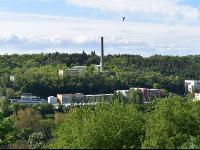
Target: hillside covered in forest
<point>38,73</point>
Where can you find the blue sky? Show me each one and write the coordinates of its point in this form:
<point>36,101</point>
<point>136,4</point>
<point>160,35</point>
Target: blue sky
<point>167,27</point>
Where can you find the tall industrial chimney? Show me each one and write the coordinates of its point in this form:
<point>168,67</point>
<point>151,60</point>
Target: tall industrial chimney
<point>102,54</point>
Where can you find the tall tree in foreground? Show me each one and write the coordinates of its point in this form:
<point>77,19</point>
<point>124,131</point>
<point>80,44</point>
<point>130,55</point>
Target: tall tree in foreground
<point>171,124</point>
<point>106,126</point>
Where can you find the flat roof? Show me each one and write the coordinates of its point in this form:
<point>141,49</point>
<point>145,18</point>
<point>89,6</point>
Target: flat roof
<point>191,80</point>
<point>70,94</point>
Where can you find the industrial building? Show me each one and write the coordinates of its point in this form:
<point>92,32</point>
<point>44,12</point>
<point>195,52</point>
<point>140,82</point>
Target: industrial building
<point>80,70</point>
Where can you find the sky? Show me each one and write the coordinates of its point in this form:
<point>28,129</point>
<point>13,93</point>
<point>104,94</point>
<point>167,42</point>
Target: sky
<point>165,27</point>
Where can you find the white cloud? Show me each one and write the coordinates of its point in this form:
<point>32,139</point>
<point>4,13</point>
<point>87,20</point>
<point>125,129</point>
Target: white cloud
<point>37,33</point>
<point>164,10</point>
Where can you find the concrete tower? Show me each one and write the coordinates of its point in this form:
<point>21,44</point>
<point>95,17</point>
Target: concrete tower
<point>102,54</point>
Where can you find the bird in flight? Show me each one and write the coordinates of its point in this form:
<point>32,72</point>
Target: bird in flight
<point>123,18</point>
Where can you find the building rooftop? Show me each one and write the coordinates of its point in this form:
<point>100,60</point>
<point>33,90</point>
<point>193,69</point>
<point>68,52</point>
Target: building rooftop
<point>191,80</point>
<point>71,94</point>
<point>51,96</point>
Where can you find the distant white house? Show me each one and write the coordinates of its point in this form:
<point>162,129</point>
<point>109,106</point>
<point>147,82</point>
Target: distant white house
<point>192,86</point>
<point>52,100</point>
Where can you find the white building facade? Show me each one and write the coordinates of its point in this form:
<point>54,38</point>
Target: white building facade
<point>52,100</point>
<point>192,86</point>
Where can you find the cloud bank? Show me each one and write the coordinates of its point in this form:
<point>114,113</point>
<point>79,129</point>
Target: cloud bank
<point>164,10</point>
<point>176,30</point>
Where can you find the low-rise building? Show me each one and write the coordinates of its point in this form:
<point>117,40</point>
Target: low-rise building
<point>155,92</point>
<point>149,92</point>
<point>64,98</point>
<point>80,99</point>
<point>79,70</point>
<point>192,86</point>
<point>146,93</point>
<point>28,98</point>
<point>97,97</point>
<point>52,100</point>
<point>70,98</point>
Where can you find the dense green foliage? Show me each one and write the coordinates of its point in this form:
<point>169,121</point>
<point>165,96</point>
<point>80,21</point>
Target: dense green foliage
<point>107,126</point>
<point>172,122</point>
<point>6,131</point>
